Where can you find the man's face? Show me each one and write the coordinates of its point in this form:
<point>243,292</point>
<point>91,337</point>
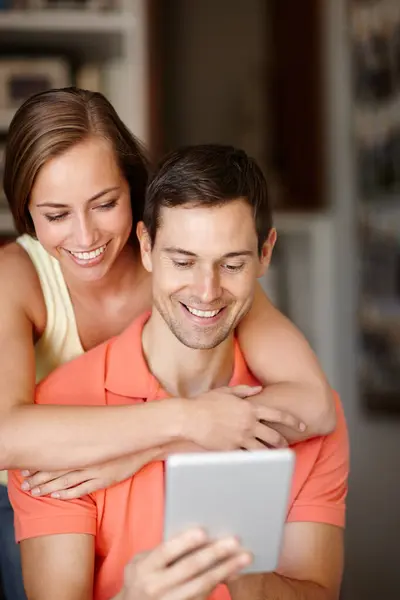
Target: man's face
<point>205,264</point>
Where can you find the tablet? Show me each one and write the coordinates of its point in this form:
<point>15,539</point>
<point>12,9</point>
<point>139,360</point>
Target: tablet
<point>232,493</point>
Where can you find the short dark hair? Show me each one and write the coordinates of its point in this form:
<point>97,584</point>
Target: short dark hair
<point>51,122</point>
<point>208,175</point>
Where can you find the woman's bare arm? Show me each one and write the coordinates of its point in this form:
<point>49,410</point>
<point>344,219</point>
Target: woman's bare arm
<point>67,437</point>
<point>47,437</point>
<point>281,358</point>
<point>23,315</point>
<point>50,436</point>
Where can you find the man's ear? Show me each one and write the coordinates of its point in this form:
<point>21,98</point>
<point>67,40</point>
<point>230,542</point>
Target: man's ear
<point>145,246</point>
<point>266,251</point>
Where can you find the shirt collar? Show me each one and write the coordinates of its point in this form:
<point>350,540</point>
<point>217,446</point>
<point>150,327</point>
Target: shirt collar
<point>127,373</point>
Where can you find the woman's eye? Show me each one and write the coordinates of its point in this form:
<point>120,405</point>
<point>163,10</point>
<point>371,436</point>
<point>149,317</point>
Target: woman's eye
<point>59,217</point>
<point>53,218</point>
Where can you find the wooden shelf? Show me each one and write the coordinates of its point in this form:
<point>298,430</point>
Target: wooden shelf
<point>76,21</point>
<point>91,35</point>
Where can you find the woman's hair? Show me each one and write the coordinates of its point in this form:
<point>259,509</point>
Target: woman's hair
<point>50,123</point>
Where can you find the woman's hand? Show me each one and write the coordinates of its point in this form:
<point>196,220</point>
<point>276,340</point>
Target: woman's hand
<point>66,485</point>
<point>226,419</point>
<point>187,567</point>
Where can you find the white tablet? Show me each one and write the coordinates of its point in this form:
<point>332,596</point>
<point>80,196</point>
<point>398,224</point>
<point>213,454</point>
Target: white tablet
<point>232,493</point>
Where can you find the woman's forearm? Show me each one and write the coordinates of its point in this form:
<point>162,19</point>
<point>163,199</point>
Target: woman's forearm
<point>47,437</point>
<point>300,401</point>
<point>282,360</point>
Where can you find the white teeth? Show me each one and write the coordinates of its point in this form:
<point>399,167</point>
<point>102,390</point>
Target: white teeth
<point>89,255</point>
<point>203,313</point>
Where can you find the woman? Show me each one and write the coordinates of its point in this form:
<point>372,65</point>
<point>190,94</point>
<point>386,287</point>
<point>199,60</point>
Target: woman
<point>75,181</point>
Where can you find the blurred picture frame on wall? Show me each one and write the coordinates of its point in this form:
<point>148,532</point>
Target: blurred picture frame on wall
<point>21,77</point>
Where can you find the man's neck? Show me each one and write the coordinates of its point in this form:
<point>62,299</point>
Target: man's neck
<point>183,371</point>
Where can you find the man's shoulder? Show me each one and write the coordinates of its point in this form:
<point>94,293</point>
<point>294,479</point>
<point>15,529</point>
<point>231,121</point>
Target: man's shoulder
<point>340,433</point>
<point>338,440</point>
<point>320,482</point>
<point>83,377</point>
<point>241,372</point>
<point>327,448</point>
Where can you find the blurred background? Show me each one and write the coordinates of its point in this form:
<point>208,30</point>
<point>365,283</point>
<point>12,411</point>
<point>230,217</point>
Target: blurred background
<point>311,88</point>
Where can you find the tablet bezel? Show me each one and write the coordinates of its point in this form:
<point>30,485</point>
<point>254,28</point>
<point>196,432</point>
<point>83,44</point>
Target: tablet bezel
<point>232,493</point>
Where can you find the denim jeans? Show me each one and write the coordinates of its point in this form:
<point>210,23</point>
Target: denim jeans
<point>10,562</point>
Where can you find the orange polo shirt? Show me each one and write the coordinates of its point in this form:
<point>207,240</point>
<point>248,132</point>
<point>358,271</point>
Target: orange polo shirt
<point>128,517</point>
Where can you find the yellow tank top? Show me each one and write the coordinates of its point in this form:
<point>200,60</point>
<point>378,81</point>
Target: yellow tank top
<point>60,340</point>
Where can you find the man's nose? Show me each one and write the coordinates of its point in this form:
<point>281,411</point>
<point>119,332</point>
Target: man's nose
<point>208,286</point>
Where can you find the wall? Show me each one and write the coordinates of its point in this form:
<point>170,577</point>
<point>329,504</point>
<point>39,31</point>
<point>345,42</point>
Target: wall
<point>372,563</point>
<point>216,60</point>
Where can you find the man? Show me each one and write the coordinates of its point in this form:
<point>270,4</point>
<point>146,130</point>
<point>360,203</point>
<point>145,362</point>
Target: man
<point>207,237</point>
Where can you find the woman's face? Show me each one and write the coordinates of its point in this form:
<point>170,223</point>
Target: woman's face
<point>81,210</point>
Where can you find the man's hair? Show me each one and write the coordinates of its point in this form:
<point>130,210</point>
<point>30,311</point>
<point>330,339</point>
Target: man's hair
<point>208,175</point>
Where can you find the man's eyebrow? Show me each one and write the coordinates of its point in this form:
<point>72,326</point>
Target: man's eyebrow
<point>95,197</point>
<point>176,250</point>
<point>239,253</point>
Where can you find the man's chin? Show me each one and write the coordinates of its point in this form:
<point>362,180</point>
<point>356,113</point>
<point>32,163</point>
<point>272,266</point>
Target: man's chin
<point>199,342</point>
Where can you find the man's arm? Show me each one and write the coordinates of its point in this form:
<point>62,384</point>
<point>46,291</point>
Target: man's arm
<point>280,357</point>
<point>58,566</point>
<point>57,543</point>
<point>186,567</point>
<point>311,567</point>
<point>312,550</point>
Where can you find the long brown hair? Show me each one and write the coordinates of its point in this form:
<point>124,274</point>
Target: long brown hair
<point>50,123</point>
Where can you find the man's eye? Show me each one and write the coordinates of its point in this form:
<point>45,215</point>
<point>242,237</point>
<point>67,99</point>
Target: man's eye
<point>107,205</point>
<point>233,268</point>
<point>182,264</point>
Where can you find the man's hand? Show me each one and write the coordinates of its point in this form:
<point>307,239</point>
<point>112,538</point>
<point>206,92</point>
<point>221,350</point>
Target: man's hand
<point>223,419</point>
<point>187,567</point>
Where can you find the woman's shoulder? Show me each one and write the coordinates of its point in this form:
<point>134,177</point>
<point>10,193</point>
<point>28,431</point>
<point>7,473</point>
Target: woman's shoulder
<point>15,262</point>
<point>20,281</point>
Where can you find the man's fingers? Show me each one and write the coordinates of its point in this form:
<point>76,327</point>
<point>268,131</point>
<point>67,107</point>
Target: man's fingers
<point>244,391</point>
<point>170,551</point>
<point>197,562</point>
<point>253,444</point>
<point>207,581</point>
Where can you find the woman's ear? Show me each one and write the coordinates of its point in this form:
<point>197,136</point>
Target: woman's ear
<point>145,246</point>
